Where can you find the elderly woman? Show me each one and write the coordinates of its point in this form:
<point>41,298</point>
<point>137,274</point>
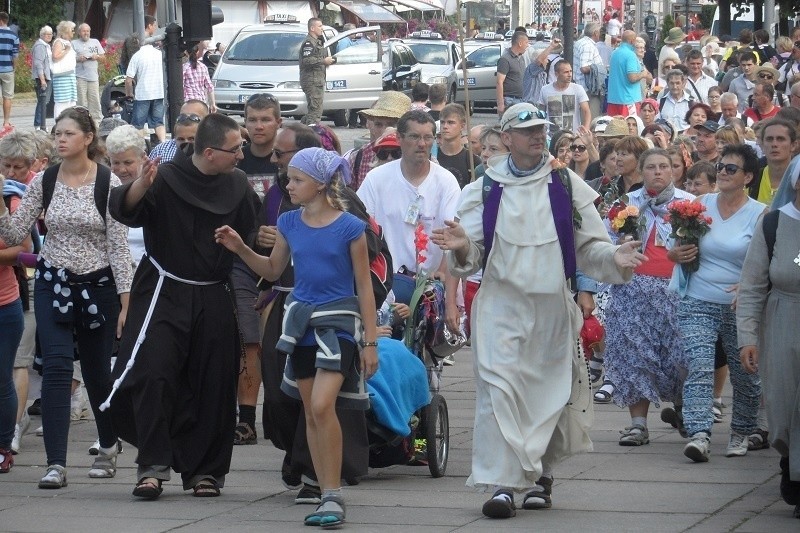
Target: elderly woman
<point>127,153</point>
<point>698,114</point>
<point>643,347</point>
<point>65,84</point>
<point>706,313</point>
<point>628,150</point>
<point>83,280</point>
<point>766,318</point>
<point>648,111</point>
<point>41,60</point>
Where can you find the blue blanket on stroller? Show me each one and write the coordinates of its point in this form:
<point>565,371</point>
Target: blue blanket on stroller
<point>399,387</point>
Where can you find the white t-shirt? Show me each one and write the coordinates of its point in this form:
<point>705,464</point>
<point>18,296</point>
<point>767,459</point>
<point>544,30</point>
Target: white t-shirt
<point>563,107</point>
<point>147,68</point>
<point>613,27</point>
<point>388,196</point>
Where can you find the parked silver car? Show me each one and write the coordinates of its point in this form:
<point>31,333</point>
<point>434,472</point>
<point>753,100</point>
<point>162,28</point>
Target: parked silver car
<point>438,58</point>
<point>264,58</point>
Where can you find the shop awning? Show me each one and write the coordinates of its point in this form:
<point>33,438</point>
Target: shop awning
<point>369,12</point>
<point>419,5</point>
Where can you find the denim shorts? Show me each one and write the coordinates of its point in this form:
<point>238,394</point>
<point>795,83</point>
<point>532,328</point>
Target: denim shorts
<point>150,112</point>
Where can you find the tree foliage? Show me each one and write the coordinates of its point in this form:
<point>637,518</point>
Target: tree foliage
<point>31,15</point>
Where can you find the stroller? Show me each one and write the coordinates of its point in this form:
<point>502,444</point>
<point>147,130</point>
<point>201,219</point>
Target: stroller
<point>429,440</point>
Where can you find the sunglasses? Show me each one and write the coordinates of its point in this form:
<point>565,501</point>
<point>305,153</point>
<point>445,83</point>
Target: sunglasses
<point>383,155</point>
<point>229,150</point>
<point>261,96</point>
<point>577,148</point>
<point>729,168</point>
<point>278,153</point>
<point>187,117</point>
<point>766,76</point>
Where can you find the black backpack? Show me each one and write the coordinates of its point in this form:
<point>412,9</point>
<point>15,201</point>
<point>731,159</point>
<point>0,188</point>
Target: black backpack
<point>102,185</point>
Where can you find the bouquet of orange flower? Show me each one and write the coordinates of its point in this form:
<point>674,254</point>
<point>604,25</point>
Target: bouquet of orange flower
<point>625,218</point>
<point>689,224</point>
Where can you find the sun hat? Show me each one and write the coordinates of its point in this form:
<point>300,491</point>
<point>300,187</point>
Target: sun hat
<point>617,127</point>
<point>768,68</point>
<point>599,124</point>
<point>675,36</point>
<point>522,115</point>
<point>390,104</point>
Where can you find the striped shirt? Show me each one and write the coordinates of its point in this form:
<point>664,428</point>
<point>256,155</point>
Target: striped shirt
<point>9,49</point>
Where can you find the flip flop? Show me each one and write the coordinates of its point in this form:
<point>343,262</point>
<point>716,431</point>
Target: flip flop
<point>147,489</point>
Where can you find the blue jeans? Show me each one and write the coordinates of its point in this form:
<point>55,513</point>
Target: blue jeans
<point>43,98</point>
<point>701,323</point>
<point>150,112</point>
<point>95,347</point>
<point>11,325</point>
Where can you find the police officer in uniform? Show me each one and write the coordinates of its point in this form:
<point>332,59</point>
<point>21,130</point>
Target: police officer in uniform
<point>313,61</point>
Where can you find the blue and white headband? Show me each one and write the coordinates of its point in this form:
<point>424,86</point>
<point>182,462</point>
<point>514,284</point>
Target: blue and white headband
<point>321,164</point>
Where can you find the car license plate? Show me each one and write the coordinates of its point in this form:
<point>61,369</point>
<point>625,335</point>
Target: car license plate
<point>470,81</point>
<point>243,98</point>
<point>336,84</point>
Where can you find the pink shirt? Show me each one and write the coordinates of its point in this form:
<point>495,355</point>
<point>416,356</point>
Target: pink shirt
<point>9,289</point>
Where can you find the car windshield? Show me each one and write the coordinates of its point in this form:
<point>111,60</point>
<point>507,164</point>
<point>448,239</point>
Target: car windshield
<point>430,53</point>
<point>265,47</point>
<point>357,53</point>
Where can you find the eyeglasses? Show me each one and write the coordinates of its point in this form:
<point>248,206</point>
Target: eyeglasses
<point>187,117</point>
<point>713,97</point>
<point>416,137</point>
<point>729,168</point>
<point>766,76</point>
<point>577,148</point>
<point>229,150</point>
<point>278,153</point>
<point>383,155</point>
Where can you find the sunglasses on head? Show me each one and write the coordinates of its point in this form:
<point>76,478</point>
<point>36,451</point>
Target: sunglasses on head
<point>729,168</point>
<point>383,154</point>
<point>577,148</point>
<point>187,117</point>
<point>262,96</point>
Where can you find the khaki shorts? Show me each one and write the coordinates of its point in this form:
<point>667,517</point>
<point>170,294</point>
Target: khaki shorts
<point>7,84</point>
<point>27,346</point>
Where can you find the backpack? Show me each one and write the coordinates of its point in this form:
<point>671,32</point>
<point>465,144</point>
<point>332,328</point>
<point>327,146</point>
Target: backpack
<point>560,193</point>
<point>102,185</point>
<point>770,227</point>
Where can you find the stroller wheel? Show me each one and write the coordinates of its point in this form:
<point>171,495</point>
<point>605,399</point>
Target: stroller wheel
<point>437,435</point>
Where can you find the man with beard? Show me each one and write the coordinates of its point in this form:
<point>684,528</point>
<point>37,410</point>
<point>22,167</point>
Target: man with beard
<point>178,361</point>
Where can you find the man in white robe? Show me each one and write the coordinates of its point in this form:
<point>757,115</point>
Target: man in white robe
<point>528,415</point>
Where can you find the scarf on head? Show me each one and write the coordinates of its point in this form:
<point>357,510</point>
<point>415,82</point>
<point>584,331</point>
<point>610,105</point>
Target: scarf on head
<point>321,165</point>
<point>786,193</point>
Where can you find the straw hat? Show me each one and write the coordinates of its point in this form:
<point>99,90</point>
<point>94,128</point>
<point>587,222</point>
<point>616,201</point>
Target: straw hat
<point>767,67</point>
<point>390,104</point>
<point>617,127</point>
<point>675,36</point>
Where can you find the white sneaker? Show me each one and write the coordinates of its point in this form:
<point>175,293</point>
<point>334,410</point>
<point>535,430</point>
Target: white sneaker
<point>19,430</point>
<point>94,449</point>
<point>698,449</point>
<point>79,405</point>
<point>40,431</point>
<point>737,445</point>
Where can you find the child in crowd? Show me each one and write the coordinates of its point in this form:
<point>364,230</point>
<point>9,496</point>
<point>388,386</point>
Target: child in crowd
<point>322,326</point>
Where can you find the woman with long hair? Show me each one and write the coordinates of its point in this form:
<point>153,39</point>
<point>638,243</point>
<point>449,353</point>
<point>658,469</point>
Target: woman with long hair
<point>65,84</point>
<point>83,280</point>
<point>321,229</point>
<point>714,96</point>
<point>196,81</point>
<point>583,151</point>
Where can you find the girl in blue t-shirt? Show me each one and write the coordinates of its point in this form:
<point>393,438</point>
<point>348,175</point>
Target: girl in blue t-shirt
<point>328,248</point>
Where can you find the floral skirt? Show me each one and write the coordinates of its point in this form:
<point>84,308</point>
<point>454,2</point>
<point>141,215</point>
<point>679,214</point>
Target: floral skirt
<point>644,352</point>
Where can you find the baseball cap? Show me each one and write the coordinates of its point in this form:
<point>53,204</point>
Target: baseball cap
<point>522,115</point>
<point>710,125</point>
<point>388,141</point>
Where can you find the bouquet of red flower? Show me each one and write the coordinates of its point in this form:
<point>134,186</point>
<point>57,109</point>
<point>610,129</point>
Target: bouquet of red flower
<point>625,218</point>
<point>689,224</point>
<point>421,240</point>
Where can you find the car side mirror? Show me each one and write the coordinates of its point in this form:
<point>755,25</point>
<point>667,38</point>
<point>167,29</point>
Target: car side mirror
<point>404,68</point>
<point>470,64</point>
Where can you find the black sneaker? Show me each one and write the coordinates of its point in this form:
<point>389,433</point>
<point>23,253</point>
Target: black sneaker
<point>36,407</point>
<point>309,494</point>
<point>291,481</point>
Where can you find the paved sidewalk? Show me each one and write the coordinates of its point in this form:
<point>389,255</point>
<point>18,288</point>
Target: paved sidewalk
<point>653,488</point>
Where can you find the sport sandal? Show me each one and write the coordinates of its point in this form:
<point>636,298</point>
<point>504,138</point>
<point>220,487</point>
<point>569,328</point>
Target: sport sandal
<point>148,488</point>
<point>539,497</point>
<point>501,505</point>
<point>55,478</point>
<point>329,514</point>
